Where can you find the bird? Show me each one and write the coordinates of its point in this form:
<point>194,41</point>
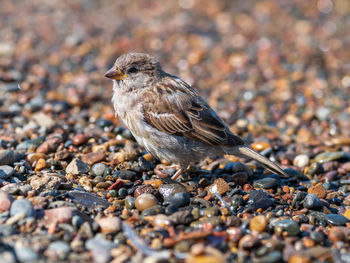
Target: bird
<point>169,118</point>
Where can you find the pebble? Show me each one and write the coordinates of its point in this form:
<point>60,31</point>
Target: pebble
<point>265,183</point>
<point>5,201</point>
<point>260,146</point>
<point>167,190</point>
<point>58,250</point>
<point>336,234</point>
<point>329,156</point>
<point>100,248</point>
<point>77,167</point>
<point>299,258</point>
<point>26,254</point>
<point>312,202</point>
<point>219,186</point>
<point>318,190</point>
<point>130,202</point>
<point>145,201</point>
<point>7,157</point>
<point>6,171</point>
<point>60,214</point>
<point>80,139</point>
<point>288,225</point>
<point>45,183</point>
<point>126,174</point>
<point>109,224</point>
<point>178,199</point>
<point>98,169</point>
<point>336,220</point>
<point>301,160</point>
<point>22,206</point>
<point>258,223</point>
<point>93,157</point>
<point>346,213</point>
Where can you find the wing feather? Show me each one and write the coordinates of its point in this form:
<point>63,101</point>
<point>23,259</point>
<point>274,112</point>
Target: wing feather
<point>174,107</point>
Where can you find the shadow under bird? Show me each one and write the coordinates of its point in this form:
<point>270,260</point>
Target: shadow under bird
<point>169,118</point>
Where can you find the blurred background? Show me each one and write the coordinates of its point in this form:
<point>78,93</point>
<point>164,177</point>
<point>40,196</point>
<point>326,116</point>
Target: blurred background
<point>277,66</point>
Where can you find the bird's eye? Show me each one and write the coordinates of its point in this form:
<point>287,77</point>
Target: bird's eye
<point>132,70</point>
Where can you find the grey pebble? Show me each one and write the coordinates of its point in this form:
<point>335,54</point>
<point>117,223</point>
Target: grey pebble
<point>6,171</point>
<point>265,183</point>
<point>312,202</point>
<point>23,205</point>
<point>60,248</point>
<point>98,169</point>
<point>26,254</point>
<point>336,220</point>
<point>7,157</point>
<point>288,225</point>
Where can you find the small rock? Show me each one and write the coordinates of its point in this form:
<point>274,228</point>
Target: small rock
<point>7,157</point>
<point>77,167</point>
<point>99,169</point>
<point>58,250</point>
<point>93,157</point>
<point>167,190</point>
<point>301,160</point>
<point>312,202</point>
<point>336,220</point>
<point>142,189</point>
<point>336,234</point>
<point>318,190</point>
<point>44,120</point>
<point>109,224</point>
<point>265,183</point>
<point>346,213</point>
<point>26,254</point>
<point>60,215</point>
<point>145,201</point>
<point>40,165</point>
<point>219,186</point>
<point>126,174</point>
<point>130,202</point>
<point>179,199</point>
<point>80,139</point>
<point>299,258</point>
<point>6,171</point>
<point>260,146</point>
<point>258,223</point>
<point>100,248</point>
<point>329,156</point>
<point>23,206</point>
<point>45,183</point>
<point>5,201</point>
<point>288,225</point>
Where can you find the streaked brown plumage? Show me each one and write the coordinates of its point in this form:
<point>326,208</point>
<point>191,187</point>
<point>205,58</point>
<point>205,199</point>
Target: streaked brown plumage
<point>168,117</point>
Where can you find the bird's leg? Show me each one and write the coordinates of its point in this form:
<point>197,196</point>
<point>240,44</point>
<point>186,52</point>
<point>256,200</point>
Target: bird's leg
<point>178,173</point>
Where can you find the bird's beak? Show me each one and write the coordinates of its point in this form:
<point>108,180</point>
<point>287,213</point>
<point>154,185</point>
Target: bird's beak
<point>115,73</point>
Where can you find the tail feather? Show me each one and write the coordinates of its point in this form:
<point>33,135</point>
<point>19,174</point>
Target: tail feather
<point>246,151</point>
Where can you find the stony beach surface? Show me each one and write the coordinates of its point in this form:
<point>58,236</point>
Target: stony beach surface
<point>76,187</point>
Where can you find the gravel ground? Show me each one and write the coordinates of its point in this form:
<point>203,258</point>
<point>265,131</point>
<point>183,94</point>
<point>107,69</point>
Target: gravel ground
<point>75,186</point>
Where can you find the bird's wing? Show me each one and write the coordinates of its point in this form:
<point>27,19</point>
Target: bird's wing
<point>173,107</point>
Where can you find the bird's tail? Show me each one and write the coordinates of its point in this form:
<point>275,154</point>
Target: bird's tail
<point>247,152</point>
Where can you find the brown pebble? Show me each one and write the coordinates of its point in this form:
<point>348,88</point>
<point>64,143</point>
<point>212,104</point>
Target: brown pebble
<point>34,157</point>
<point>220,185</point>
<point>109,224</point>
<point>299,259</point>
<point>335,234</point>
<point>260,146</point>
<point>145,201</point>
<point>93,157</point>
<point>142,189</point>
<point>258,223</point>
<point>80,139</point>
<point>308,242</point>
<point>40,165</point>
<point>5,201</point>
<point>318,190</point>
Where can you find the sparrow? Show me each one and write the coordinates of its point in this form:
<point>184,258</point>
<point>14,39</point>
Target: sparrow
<point>169,118</point>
